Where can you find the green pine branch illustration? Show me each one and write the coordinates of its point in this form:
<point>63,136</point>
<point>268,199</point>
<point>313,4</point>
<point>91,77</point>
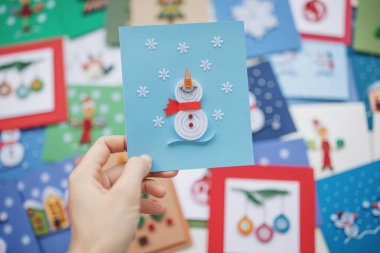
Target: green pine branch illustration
<point>259,196</point>
<point>19,65</point>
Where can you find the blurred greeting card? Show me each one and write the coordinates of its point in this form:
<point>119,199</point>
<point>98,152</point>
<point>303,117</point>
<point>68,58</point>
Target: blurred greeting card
<point>186,100</point>
<point>117,14</point>
<point>323,19</point>
<point>367,33</point>
<point>262,209</point>
<point>336,135</point>
<point>376,137</point>
<point>350,204</point>
<point>318,71</point>
<point>32,86</point>
<point>266,22</point>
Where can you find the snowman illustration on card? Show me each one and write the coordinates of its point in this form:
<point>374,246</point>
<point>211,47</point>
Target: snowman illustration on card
<point>11,150</point>
<point>190,122</point>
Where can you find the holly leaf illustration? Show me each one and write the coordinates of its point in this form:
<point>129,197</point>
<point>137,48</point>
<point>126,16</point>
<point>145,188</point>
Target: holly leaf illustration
<point>257,197</point>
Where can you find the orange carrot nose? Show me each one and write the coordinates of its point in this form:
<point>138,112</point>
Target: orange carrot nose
<point>188,83</point>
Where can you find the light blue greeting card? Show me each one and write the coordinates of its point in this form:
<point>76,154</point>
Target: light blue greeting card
<point>186,95</point>
<point>350,205</point>
<point>269,25</point>
<point>318,71</point>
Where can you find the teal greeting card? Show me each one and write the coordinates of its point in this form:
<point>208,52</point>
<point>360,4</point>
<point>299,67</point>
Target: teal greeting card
<point>186,95</point>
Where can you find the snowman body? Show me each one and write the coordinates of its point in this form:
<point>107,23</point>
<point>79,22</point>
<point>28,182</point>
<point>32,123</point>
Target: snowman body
<point>257,115</point>
<point>190,124</point>
<point>12,151</point>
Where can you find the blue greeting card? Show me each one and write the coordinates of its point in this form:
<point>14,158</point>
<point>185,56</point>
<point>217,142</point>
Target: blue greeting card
<point>270,117</point>
<point>20,151</point>
<point>185,89</point>
<point>44,194</point>
<point>269,25</point>
<point>16,234</point>
<point>318,71</point>
<point>367,73</point>
<point>350,204</point>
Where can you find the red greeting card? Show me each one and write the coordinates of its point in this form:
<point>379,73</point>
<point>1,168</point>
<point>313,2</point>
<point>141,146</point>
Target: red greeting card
<point>262,209</point>
<point>32,84</point>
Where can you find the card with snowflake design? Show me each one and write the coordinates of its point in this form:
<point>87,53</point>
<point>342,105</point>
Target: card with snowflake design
<point>350,205</point>
<point>16,234</point>
<point>188,108</point>
<point>266,23</point>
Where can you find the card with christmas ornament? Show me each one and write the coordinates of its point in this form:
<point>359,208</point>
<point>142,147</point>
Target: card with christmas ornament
<point>318,71</point>
<point>336,135</point>
<point>148,12</point>
<point>16,233</point>
<point>254,208</point>
<point>270,117</point>
<point>350,204</point>
<point>323,19</point>
<point>185,96</point>
<point>32,84</point>
<point>95,65</point>
<point>94,111</point>
<point>266,22</point>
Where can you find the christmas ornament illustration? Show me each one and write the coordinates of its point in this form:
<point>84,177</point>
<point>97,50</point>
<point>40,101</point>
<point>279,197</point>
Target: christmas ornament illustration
<point>12,152</point>
<point>26,11</point>
<point>170,10</point>
<point>200,190</point>
<point>95,68</point>
<point>314,10</point>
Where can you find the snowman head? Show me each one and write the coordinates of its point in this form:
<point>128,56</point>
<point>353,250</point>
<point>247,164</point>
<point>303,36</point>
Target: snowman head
<point>346,219</point>
<point>10,135</point>
<point>188,90</point>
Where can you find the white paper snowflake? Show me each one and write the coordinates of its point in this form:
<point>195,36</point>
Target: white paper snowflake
<point>63,183</point>
<point>183,48</point>
<point>151,44</point>
<point>258,16</point>
<point>68,167</point>
<point>25,240</point>
<point>227,87</point>
<point>218,114</point>
<point>142,91</point>
<point>21,186</point>
<point>205,65</point>
<point>3,217</point>
<point>8,202</point>
<point>284,153</point>
<point>164,74</point>
<point>158,121</point>
<point>264,161</point>
<point>7,229</point>
<point>67,137</point>
<point>217,41</point>
<point>45,177</point>
<point>35,193</point>
<point>116,96</point>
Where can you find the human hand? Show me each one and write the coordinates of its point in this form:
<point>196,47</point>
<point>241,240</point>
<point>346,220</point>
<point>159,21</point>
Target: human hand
<point>105,203</point>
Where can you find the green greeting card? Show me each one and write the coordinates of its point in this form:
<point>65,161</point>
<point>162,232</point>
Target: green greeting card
<point>26,20</point>
<point>117,15</point>
<point>367,33</point>
<point>93,112</point>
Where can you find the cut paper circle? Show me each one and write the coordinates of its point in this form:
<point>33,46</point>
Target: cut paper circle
<point>183,96</point>
<point>191,125</point>
<point>207,139</point>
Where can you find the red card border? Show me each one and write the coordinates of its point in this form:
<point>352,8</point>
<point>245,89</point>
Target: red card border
<point>304,176</point>
<point>345,39</point>
<point>59,112</point>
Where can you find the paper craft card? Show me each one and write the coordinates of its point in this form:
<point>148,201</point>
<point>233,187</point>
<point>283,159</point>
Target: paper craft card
<point>266,22</point>
<point>117,14</point>
<point>93,112</point>
<point>270,118</point>
<point>350,204</point>
<point>44,194</point>
<point>32,85</point>
<point>27,20</point>
<point>367,73</point>
<point>257,209</point>
<point>323,19</point>
<point>367,29</point>
<point>188,108</point>
<point>78,17</point>
<point>336,134</point>
<point>318,71</point>
<point>376,137</point>
<point>98,64</point>
<point>20,151</point>
<point>153,12</point>
<point>163,233</point>
<point>16,234</point>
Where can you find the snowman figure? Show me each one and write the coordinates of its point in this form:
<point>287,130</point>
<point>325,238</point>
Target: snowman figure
<point>190,122</point>
<point>346,221</point>
<point>95,67</point>
<point>257,115</point>
<point>376,208</point>
<point>11,150</point>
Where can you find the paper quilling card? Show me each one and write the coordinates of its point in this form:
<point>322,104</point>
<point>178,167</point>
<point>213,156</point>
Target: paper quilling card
<point>32,85</point>
<point>323,19</point>
<point>336,135</point>
<point>188,108</point>
<point>350,204</point>
<point>266,22</point>
<point>318,71</point>
<point>262,209</point>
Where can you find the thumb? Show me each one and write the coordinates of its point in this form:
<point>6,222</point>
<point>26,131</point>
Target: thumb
<point>130,181</point>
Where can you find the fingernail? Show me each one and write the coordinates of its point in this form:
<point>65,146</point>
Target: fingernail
<point>147,158</point>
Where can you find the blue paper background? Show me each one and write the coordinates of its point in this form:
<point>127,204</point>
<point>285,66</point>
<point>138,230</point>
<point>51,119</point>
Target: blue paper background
<point>346,192</point>
<point>284,37</point>
<point>232,145</point>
